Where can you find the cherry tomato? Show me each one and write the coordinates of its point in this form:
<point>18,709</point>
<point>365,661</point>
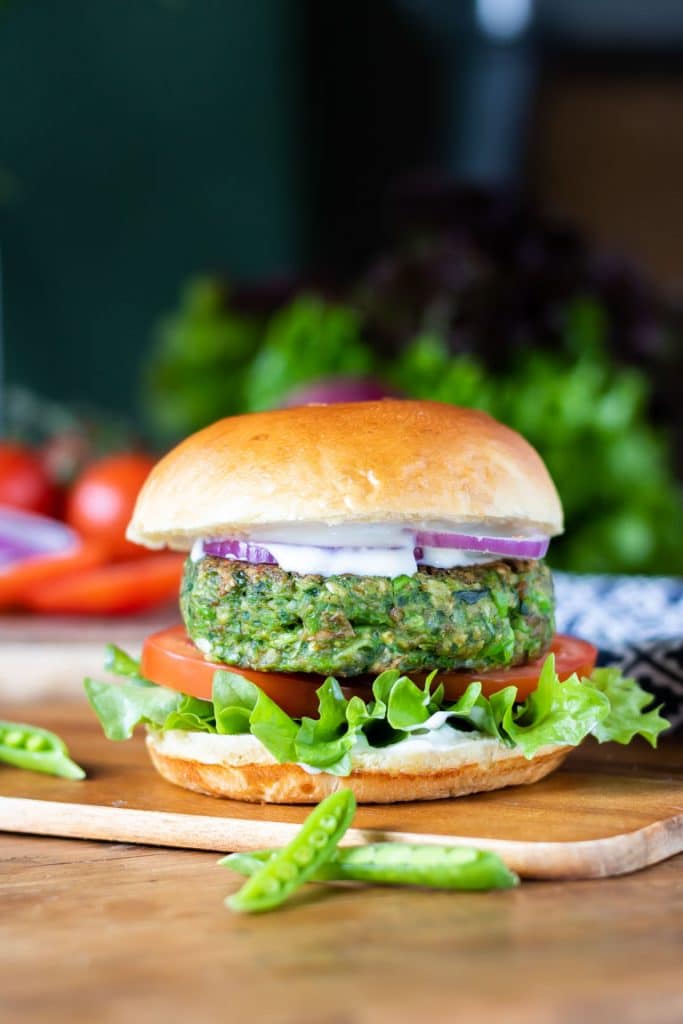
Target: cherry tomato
<point>115,589</point>
<point>169,658</point>
<point>100,504</point>
<point>24,480</point>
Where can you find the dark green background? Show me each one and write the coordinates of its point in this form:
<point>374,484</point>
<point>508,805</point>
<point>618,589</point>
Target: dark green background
<point>140,142</point>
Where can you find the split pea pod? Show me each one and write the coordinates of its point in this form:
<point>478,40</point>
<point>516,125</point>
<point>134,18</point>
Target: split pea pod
<point>426,865</point>
<point>38,750</point>
<point>287,869</point>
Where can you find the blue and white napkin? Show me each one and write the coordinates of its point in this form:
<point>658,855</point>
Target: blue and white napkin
<point>636,622</point>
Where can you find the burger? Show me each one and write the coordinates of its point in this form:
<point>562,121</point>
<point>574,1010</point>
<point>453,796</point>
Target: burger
<point>366,604</point>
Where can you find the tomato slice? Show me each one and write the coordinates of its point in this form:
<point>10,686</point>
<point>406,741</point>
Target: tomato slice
<point>171,659</point>
<point>111,589</point>
<point>571,655</point>
<point>19,580</point>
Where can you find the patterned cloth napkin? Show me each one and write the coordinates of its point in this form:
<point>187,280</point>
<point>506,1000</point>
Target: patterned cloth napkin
<point>636,622</point>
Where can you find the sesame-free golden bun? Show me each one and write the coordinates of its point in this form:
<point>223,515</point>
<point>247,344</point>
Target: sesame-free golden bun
<point>389,461</point>
<point>247,771</point>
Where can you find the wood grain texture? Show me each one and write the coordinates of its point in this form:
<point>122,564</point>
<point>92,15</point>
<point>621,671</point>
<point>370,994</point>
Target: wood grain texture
<point>115,933</point>
<point>608,812</point>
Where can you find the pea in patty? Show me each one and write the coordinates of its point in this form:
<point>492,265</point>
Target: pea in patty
<point>258,616</point>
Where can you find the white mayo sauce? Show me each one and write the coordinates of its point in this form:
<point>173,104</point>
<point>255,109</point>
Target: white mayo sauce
<point>372,549</point>
<point>211,748</point>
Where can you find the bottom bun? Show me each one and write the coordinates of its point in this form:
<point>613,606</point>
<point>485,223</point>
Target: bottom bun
<point>240,768</point>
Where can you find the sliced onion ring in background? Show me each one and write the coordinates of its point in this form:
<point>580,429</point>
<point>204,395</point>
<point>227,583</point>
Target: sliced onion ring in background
<point>25,535</point>
<point>513,547</point>
<point>242,550</point>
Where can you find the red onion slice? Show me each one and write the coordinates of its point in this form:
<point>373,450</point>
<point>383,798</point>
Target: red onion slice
<point>24,535</point>
<point>242,550</point>
<point>245,551</point>
<point>260,554</point>
<point>513,547</point>
<point>329,560</point>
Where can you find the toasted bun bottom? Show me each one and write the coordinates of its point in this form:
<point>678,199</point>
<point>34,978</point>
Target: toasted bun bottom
<point>472,767</point>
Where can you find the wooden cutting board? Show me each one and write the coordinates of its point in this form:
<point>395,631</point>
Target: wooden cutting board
<point>609,811</point>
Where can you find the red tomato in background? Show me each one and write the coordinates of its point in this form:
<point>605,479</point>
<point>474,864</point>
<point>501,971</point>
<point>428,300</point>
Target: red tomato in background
<point>100,503</point>
<point>24,481</point>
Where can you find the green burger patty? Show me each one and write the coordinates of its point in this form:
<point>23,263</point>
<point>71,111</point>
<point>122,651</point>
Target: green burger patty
<point>258,616</point>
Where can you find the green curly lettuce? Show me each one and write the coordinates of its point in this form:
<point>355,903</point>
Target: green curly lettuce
<point>606,705</point>
<point>622,516</point>
<point>194,372</point>
<point>306,340</point>
<point>627,716</point>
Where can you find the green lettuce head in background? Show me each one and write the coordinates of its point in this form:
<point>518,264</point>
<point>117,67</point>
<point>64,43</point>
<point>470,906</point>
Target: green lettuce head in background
<point>495,309</point>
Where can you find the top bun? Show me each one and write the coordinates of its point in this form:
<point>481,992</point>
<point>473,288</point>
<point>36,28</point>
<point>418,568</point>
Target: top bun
<point>389,461</point>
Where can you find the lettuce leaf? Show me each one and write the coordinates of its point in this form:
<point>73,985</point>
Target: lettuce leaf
<point>475,712</point>
<point>120,663</point>
<point>241,707</point>
<point>234,699</point>
<point>555,712</point>
<point>407,705</point>
<point>274,728</point>
<point>627,702</point>
<point>326,741</point>
<point>607,705</point>
<point>192,715</point>
<point>122,706</point>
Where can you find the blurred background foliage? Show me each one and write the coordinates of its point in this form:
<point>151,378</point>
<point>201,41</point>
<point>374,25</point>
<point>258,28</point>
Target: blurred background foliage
<point>503,311</point>
<point>312,150</point>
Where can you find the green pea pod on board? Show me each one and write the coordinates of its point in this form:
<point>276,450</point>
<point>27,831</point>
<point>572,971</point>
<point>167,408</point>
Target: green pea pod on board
<point>293,865</point>
<point>37,750</point>
<point>426,865</point>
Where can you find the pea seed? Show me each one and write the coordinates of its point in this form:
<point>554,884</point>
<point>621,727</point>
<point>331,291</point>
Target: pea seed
<point>36,743</point>
<point>329,823</point>
<point>286,871</point>
<point>303,856</point>
<point>461,855</point>
<point>318,839</point>
<point>14,738</point>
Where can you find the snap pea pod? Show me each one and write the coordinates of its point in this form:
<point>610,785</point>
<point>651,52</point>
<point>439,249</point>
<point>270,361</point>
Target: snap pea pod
<point>38,750</point>
<point>433,867</point>
<point>296,863</point>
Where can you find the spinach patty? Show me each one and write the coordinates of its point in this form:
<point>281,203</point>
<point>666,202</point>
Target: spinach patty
<point>258,616</point>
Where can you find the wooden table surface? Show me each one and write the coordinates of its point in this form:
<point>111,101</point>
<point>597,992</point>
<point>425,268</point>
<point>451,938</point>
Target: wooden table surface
<point>107,932</point>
